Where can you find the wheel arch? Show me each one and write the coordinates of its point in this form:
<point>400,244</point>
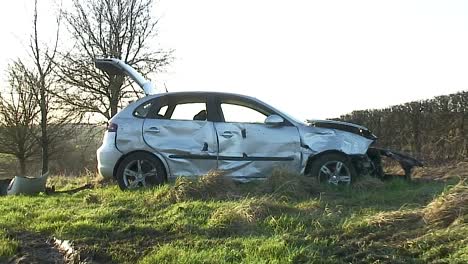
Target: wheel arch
<point>314,157</point>
<point>160,158</point>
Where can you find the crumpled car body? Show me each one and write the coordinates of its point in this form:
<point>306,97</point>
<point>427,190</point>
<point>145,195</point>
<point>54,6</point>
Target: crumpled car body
<point>191,133</point>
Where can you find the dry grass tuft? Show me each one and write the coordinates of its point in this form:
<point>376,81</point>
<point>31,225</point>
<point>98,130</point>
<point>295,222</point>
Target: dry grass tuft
<point>400,217</point>
<point>285,184</point>
<point>216,186</point>
<point>449,206</point>
<point>443,172</point>
<point>98,181</point>
<point>92,198</point>
<point>368,183</point>
<point>240,216</point>
<point>213,185</point>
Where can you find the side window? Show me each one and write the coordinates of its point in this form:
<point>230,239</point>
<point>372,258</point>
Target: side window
<point>241,114</point>
<point>162,111</point>
<point>189,111</point>
<point>143,110</point>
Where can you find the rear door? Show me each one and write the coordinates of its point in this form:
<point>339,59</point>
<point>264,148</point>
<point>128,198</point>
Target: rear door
<point>177,129</point>
<point>248,148</point>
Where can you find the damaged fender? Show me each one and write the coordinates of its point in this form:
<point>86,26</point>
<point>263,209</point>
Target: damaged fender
<point>315,140</point>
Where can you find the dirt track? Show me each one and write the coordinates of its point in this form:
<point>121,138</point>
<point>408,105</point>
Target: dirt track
<point>36,248</point>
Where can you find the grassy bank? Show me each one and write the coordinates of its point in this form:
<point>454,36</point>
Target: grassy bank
<point>288,219</point>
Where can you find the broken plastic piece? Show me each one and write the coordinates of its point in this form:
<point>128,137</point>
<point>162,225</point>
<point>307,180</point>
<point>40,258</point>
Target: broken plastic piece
<point>25,185</point>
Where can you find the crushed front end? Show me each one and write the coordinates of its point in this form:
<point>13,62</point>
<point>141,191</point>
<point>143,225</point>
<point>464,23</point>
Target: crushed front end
<point>371,162</point>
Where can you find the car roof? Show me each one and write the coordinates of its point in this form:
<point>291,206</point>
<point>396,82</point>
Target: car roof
<point>205,93</point>
<point>131,107</point>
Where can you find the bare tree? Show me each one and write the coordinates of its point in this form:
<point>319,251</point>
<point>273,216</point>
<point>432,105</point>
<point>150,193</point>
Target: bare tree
<point>18,111</point>
<point>119,29</point>
<point>54,118</point>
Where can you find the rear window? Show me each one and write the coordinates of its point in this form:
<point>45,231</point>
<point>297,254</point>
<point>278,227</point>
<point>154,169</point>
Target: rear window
<point>142,110</point>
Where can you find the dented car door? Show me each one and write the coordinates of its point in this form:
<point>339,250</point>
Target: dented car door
<point>249,148</point>
<point>183,136</point>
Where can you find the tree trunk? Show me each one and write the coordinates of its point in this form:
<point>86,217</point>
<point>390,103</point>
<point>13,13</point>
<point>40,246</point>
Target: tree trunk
<point>44,134</point>
<point>115,87</point>
<point>45,148</point>
<point>114,106</point>
<point>22,164</point>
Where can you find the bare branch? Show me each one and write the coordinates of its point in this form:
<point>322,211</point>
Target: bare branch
<point>108,28</point>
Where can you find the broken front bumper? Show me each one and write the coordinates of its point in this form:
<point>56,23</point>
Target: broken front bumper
<point>406,162</point>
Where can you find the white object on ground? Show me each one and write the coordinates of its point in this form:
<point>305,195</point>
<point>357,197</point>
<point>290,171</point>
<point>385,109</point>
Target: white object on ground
<point>25,185</point>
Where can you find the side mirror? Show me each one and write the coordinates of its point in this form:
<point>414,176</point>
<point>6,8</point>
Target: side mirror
<point>274,120</point>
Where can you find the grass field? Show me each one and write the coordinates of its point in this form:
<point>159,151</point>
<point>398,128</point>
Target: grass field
<point>286,219</point>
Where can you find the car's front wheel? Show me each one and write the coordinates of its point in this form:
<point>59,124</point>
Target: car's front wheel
<point>140,170</point>
<point>333,168</point>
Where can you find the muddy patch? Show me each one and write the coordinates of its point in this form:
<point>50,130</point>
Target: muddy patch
<point>36,248</point>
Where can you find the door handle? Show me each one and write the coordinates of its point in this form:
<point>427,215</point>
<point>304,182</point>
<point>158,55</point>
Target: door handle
<point>227,134</point>
<point>153,130</point>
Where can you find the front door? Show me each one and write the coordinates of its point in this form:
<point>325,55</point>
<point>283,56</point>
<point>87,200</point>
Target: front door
<point>248,148</point>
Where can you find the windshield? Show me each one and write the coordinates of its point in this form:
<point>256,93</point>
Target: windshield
<point>293,118</point>
<point>288,116</point>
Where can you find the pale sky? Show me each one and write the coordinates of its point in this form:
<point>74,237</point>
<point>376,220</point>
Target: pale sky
<point>313,59</point>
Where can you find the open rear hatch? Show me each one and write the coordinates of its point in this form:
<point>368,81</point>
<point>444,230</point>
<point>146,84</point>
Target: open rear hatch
<point>118,67</point>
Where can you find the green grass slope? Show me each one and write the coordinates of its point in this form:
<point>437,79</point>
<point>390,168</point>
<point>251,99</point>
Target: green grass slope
<point>286,219</point>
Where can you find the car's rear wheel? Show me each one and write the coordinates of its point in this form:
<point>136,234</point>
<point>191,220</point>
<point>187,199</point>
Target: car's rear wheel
<point>334,169</point>
<point>140,170</point>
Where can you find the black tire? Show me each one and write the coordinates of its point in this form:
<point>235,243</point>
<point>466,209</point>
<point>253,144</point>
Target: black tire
<point>140,170</point>
<point>324,168</point>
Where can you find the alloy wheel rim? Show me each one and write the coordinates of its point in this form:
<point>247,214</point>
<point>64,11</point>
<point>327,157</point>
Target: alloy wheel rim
<point>137,174</point>
<point>336,173</point>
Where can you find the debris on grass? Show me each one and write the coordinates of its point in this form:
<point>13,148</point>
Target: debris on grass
<point>61,182</point>
<point>448,206</point>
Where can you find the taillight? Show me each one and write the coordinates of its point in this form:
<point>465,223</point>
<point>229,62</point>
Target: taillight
<point>112,127</point>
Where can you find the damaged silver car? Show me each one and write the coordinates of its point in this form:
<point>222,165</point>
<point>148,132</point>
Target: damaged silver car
<point>167,135</point>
